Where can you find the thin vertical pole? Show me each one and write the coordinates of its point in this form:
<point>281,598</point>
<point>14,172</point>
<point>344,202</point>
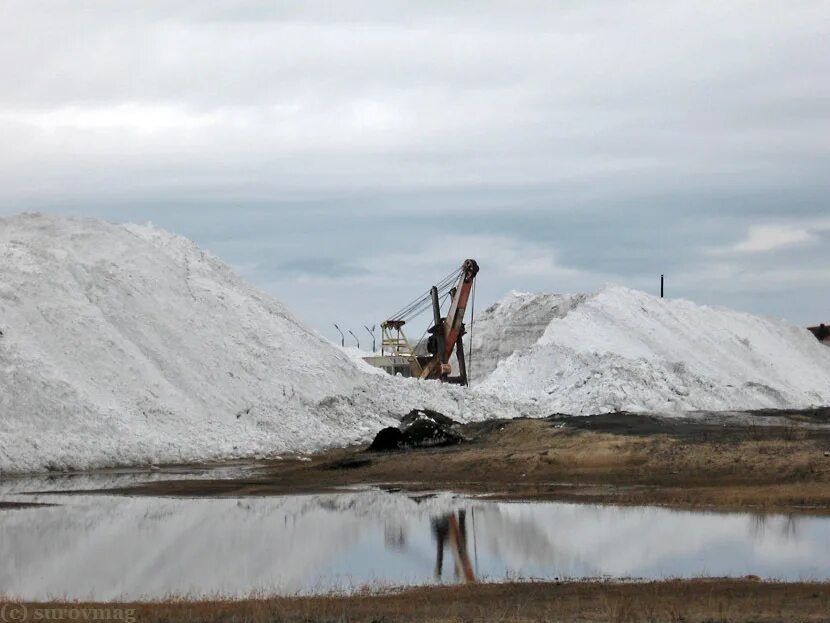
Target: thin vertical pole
<point>439,326</point>
<point>662,279</point>
<point>472,324</point>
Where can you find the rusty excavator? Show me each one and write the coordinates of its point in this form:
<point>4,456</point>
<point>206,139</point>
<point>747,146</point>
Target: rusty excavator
<point>446,333</point>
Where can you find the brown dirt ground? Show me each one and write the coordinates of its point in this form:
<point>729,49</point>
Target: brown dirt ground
<point>613,458</point>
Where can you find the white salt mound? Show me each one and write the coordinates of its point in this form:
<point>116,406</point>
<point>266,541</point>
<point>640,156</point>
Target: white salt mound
<point>130,345</point>
<point>127,345</point>
<point>620,349</point>
<point>515,322</point>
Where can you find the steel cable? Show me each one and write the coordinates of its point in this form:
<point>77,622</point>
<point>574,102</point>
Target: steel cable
<point>423,302</point>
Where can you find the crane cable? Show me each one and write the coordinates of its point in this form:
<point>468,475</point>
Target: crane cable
<point>415,307</point>
<point>423,302</point>
<point>472,324</point>
<point>423,335</point>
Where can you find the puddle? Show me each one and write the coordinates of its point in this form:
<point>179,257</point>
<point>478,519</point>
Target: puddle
<point>106,547</point>
<point>21,486</point>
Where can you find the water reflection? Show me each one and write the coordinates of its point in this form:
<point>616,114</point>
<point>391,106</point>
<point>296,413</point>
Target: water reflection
<point>109,547</point>
<point>788,528</point>
<point>450,530</point>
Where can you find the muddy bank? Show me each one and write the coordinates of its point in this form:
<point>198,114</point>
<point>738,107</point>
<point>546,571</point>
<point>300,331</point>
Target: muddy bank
<point>757,461</point>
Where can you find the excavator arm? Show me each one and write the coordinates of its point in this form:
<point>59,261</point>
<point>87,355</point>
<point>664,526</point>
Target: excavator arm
<point>447,333</point>
<point>454,323</point>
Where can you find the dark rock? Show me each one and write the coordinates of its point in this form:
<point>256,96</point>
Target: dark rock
<point>420,428</point>
<point>416,414</point>
<point>390,438</point>
<point>426,433</point>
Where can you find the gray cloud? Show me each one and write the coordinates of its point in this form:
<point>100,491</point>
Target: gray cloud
<point>317,267</point>
<point>328,149</point>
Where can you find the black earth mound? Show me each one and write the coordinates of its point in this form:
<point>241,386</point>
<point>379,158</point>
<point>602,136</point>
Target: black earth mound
<point>420,414</point>
<point>422,428</point>
<point>390,438</point>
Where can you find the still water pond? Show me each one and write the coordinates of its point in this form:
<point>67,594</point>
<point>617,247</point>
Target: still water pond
<point>102,547</point>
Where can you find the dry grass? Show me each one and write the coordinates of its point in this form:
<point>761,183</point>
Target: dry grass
<point>728,601</point>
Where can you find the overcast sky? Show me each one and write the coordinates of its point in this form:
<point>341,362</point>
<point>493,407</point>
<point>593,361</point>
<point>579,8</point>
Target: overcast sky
<point>342,155</point>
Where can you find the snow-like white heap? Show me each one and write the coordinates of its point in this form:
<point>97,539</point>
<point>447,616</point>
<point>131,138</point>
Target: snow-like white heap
<point>130,345</point>
<point>621,349</point>
<point>513,323</point>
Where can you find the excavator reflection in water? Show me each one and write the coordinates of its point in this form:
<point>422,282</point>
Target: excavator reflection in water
<point>451,530</point>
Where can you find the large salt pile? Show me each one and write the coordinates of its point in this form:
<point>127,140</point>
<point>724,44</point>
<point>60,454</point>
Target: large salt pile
<point>620,349</point>
<point>513,323</point>
<point>127,344</point>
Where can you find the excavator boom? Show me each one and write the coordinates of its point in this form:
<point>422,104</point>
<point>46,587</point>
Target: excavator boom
<point>454,324</point>
<point>447,333</point>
